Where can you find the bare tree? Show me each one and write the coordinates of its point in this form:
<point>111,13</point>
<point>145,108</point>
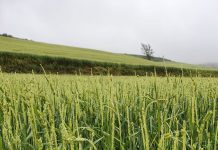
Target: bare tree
<point>147,50</point>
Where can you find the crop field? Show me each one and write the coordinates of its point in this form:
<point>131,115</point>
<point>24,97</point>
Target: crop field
<point>106,112</point>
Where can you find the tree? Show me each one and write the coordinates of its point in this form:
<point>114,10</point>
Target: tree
<point>6,35</point>
<point>147,50</point>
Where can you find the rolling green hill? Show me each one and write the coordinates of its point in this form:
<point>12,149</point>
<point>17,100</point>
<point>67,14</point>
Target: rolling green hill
<point>37,48</point>
<point>19,54</point>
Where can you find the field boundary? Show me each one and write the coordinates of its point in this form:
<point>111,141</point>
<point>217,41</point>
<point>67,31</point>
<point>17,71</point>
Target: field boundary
<point>28,63</point>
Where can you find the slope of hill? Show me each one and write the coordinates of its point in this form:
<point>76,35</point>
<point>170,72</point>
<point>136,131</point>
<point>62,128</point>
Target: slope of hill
<point>24,55</point>
<point>213,65</point>
<point>37,48</point>
<point>157,59</point>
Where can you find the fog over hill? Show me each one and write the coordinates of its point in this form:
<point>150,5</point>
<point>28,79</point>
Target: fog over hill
<point>212,64</point>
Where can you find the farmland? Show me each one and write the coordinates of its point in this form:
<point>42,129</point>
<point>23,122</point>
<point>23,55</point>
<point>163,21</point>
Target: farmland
<point>108,75</point>
<point>25,56</point>
<point>107,112</point>
<point>17,45</point>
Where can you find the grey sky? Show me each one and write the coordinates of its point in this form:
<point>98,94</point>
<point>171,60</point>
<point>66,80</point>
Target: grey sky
<point>182,30</point>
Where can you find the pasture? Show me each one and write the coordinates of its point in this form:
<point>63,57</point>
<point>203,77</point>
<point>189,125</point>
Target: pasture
<point>21,46</point>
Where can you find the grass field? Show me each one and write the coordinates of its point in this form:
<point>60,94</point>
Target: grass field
<point>42,49</point>
<point>105,112</point>
<point>25,56</point>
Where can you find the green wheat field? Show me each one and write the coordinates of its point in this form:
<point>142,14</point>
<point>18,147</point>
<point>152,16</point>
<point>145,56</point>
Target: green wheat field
<point>40,112</point>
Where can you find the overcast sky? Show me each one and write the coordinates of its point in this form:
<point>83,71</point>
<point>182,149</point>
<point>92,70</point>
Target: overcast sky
<point>182,30</point>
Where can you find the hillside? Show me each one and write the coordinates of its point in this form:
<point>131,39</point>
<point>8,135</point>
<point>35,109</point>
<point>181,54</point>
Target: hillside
<point>22,55</point>
<point>156,59</point>
<point>213,65</point>
<point>37,48</point>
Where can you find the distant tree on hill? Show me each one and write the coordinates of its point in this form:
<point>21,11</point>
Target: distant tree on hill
<point>6,35</point>
<point>147,50</point>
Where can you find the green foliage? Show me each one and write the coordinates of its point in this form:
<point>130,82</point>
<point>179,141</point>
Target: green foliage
<point>1,147</point>
<point>105,112</point>
<point>6,35</point>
